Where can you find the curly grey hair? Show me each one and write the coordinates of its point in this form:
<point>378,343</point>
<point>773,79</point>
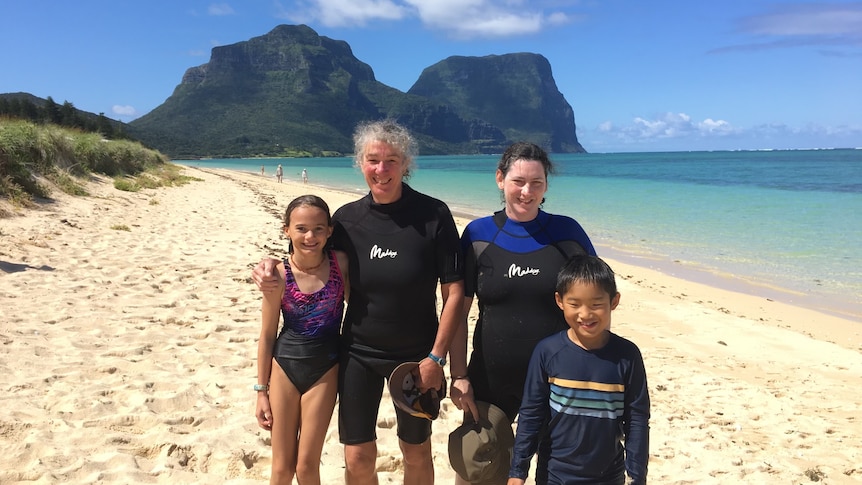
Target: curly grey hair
<point>389,132</point>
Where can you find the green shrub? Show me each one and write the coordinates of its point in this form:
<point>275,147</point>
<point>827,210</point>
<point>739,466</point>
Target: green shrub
<point>126,185</point>
<point>14,192</point>
<point>66,183</point>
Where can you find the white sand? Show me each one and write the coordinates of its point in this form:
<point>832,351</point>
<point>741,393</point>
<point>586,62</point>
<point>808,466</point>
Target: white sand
<point>128,356</point>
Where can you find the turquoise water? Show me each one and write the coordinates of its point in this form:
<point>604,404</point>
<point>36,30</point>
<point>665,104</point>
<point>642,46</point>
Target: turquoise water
<point>784,224</point>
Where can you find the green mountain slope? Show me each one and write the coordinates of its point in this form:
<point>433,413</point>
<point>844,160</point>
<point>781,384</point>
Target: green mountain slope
<point>293,92</point>
<point>516,92</point>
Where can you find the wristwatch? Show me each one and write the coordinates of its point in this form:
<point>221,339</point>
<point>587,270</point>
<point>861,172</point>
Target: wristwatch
<point>441,361</point>
<point>261,387</point>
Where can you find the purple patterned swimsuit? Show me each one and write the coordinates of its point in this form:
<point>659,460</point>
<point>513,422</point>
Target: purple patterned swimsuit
<point>307,346</point>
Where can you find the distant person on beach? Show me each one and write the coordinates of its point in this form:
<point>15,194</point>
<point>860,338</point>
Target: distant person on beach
<point>279,173</point>
<point>511,262</point>
<point>262,170</point>
<point>297,368</point>
<point>304,176</point>
<point>400,244</point>
<point>586,390</point>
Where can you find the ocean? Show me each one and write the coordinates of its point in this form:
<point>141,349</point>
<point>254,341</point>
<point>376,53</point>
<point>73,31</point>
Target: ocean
<point>786,225</point>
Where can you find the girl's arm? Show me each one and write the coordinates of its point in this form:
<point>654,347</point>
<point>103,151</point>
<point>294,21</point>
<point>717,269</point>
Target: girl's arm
<point>270,307</point>
<point>341,256</point>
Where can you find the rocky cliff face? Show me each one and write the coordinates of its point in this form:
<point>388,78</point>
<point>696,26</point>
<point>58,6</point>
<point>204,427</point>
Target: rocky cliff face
<point>293,90</point>
<point>290,50</point>
<point>515,92</point>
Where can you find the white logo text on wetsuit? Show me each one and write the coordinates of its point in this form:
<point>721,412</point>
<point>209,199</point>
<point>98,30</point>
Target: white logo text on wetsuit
<point>516,271</point>
<point>379,253</point>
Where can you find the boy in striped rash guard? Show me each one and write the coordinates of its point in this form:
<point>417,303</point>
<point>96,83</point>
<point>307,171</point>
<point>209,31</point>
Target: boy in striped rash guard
<point>586,389</point>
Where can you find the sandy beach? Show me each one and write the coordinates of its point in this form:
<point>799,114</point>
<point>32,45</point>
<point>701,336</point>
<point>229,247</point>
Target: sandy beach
<point>129,328</point>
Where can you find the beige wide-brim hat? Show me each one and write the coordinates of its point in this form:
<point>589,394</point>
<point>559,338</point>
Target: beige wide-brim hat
<point>482,452</point>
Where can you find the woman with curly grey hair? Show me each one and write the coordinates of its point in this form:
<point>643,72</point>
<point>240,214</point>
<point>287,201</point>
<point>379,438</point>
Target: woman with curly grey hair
<point>400,245</point>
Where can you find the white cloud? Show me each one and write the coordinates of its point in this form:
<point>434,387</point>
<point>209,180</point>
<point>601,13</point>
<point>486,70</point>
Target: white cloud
<point>677,131</point>
<point>668,125</point>
<point>558,18</point>
<point>342,13</point>
<point>485,18</point>
<point>460,18</point>
<point>807,19</point>
<point>501,24</point>
<point>834,25</point>
<point>220,9</point>
<point>714,126</point>
<point>121,110</point>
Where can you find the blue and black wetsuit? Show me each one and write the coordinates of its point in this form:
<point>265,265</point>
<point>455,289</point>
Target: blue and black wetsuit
<point>511,267</point>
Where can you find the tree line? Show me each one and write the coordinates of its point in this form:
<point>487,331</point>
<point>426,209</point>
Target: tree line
<point>65,115</point>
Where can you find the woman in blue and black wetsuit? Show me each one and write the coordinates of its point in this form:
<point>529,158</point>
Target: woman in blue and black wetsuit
<point>511,262</point>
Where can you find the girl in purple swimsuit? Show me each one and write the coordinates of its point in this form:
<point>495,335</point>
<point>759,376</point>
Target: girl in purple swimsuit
<point>298,367</point>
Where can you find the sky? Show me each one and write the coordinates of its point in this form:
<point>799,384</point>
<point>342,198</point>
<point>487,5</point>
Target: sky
<point>640,76</point>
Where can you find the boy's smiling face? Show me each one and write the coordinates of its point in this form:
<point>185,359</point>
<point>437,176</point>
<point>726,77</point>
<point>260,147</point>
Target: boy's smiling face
<point>587,308</point>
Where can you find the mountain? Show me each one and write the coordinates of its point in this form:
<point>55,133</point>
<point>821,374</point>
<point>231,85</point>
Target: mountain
<point>515,92</point>
<point>294,92</point>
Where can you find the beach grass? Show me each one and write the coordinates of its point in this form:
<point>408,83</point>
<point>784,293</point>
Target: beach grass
<point>36,159</point>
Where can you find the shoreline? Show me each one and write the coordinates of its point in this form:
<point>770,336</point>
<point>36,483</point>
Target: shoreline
<point>729,287</point>
<point>130,335</point>
<point>689,271</point>
<point>737,284</point>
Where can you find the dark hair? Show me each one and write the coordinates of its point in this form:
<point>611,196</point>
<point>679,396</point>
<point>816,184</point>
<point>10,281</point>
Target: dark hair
<point>524,151</point>
<point>391,133</point>
<point>584,268</point>
<point>307,200</point>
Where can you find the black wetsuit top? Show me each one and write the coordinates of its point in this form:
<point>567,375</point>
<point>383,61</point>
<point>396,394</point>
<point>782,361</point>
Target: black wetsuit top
<point>397,254</point>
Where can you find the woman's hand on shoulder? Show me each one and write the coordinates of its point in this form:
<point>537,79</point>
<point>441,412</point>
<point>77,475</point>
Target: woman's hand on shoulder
<point>265,275</point>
